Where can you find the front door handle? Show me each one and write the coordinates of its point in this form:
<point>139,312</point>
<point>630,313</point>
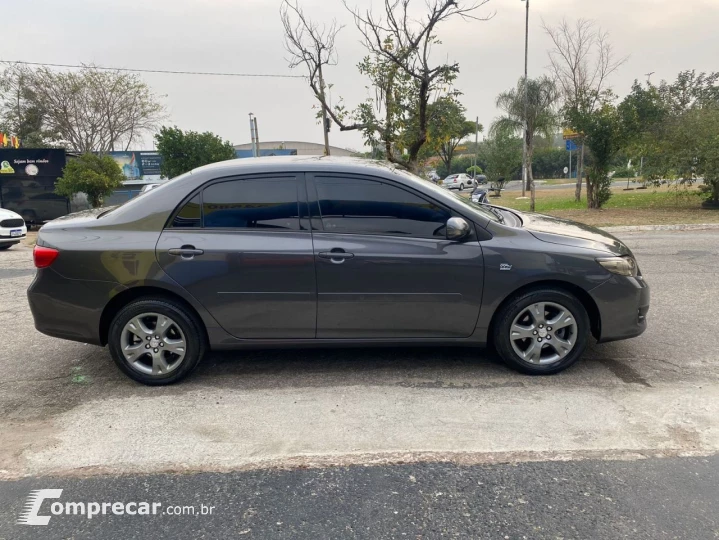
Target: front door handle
<point>186,252</point>
<point>336,255</point>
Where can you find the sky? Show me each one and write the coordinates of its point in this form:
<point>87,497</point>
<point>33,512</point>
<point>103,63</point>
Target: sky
<point>246,36</point>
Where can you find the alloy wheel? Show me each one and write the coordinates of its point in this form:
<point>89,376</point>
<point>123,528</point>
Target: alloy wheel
<point>543,333</point>
<point>153,344</point>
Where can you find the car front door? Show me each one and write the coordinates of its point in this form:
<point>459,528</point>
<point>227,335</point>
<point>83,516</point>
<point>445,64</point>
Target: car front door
<point>384,266</point>
<point>242,249</point>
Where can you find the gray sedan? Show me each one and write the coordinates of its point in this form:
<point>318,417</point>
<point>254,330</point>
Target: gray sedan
<point>306,251</point>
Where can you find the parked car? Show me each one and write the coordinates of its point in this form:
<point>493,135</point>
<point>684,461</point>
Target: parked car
<point>458,181</point>
<point>12,228</point>
<point>300,251</point>
<point>479,195</point>
<point>480,179</point>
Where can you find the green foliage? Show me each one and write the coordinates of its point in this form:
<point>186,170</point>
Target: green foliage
<point>447,126</point>
<point>460,164</point>
<point>95,175</point>
<point>183,151</point>
<point>549,162</point>
<point>474,170</point>
<point>503,157</point>
<point>675,127</point>
<point>624,172</point>
<point>606,133</point>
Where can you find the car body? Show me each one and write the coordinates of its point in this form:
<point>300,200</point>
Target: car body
<point>149,187</point>
<point>12,228</point>
<point>480,179</point>
<point>458,181</point>
<point>479,195</point>
<point>308,251</point>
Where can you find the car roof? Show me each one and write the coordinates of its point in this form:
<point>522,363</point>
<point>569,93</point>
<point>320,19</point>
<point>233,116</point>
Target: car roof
<point>299,163</point>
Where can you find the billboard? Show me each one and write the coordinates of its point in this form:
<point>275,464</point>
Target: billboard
<point>267,152</point>
<point>137,164</point>
<point>31,162</point>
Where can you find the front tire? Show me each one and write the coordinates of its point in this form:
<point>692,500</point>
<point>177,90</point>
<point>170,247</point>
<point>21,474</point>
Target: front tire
<point>461,187</point>
<point>156,341</point>
<point>542,331</point>
<point>3,247</point>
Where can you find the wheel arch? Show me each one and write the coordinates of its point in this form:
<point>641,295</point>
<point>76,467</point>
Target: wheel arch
<point>583,296</point>
<point>128,295</point>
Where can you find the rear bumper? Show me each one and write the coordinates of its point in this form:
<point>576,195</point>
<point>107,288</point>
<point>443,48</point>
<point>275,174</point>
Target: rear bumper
<point>68,308</point>
<point>623,304</point>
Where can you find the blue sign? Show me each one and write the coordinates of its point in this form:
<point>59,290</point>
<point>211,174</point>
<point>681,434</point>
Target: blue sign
<point>570,145</point>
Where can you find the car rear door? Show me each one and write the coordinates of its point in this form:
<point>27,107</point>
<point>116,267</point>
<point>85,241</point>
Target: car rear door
<point>384,266</point>
<point>242,247</point>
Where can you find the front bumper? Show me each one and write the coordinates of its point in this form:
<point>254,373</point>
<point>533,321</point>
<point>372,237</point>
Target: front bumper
<point>623,303</point>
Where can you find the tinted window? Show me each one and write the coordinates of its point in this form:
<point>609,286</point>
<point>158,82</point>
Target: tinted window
<point>267,203</point>
<point>361,206</point>
<point>189,215</point>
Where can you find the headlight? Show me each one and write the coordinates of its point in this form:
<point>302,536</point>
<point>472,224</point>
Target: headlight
<point>624,266</point>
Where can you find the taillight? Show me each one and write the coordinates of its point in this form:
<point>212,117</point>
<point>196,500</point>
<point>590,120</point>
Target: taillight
<point>455,180</point>
<point>44,256</point>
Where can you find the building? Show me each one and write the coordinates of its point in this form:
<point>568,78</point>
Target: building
<point>302,148</point>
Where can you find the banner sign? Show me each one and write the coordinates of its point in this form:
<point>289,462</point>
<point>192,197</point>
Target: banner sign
<point>30,162</point>
<point>137,164</point>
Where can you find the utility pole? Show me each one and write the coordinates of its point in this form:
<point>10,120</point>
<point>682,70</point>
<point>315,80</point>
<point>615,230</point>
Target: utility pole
<point>325,120</point>
<point>476,147</point>
<point>257,137</point>
<point>252,136</point>
<point>525,171</point>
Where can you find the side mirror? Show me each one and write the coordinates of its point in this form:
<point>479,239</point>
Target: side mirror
<point>457,228</point>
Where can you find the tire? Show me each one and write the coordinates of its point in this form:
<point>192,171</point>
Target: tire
<point>515,319</point>
<point>461,187</point>
<point>3,247</point>
<point>184,335</point>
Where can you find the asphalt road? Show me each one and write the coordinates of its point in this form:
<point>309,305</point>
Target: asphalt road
<point>65,411</point>
<point>650,499</point>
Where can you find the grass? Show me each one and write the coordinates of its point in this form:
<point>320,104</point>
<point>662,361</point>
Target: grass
<point>660,206</point>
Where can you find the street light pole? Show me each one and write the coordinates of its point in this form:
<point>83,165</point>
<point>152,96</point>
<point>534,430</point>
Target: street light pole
<point>525,171</point>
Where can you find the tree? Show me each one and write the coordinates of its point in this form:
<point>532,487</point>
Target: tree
<point>447,127</point>
<point>606,134</point>
<point>95,175</point>
<point>502,154</point>
<point>401,72</point>
<point>313,45</point>
<point>92,110</point>
<point>581,61</point>
<point>184,151</point>
<point>20,114</point>
<point>541,116</point>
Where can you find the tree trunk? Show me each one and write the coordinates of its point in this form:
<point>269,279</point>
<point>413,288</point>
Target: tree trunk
<point>530,178</point>
<point>580,172</point>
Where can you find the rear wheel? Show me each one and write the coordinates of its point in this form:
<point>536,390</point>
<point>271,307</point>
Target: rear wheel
<point>156,341</point>
<point>543,331</point>
<point>461,187</point>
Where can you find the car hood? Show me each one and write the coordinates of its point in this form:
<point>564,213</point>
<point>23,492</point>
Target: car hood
<point>570,233</point>
<point>8,214</point>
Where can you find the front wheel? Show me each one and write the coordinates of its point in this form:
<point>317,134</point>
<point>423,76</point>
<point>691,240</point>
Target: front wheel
<point>542,331</point>
<point>461,187</point>
<point>156,341</point>
<point>3,247</point>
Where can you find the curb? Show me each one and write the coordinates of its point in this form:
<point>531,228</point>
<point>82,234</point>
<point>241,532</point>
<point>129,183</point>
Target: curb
<point>678,227</point>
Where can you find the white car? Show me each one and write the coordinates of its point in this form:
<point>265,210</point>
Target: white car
<point>12,229</point>
<point>458,181</point>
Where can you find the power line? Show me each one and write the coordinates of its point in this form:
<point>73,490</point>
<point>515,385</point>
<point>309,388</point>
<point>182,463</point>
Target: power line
<point>211,73</point>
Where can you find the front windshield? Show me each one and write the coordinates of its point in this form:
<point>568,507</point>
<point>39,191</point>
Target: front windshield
<point>474,207</point>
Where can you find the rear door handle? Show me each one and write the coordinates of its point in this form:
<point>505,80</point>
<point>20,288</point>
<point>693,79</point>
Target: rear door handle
<point>336,255</point>
<point>186,252</point>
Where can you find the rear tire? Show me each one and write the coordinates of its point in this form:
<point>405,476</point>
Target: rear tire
<point>461,187</point>
<point>542,331</point>
<point>156,341</point>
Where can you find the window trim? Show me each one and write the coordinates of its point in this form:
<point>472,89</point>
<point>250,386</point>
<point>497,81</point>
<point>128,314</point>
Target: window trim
<point>314,201</point>
<point>301,196</point>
